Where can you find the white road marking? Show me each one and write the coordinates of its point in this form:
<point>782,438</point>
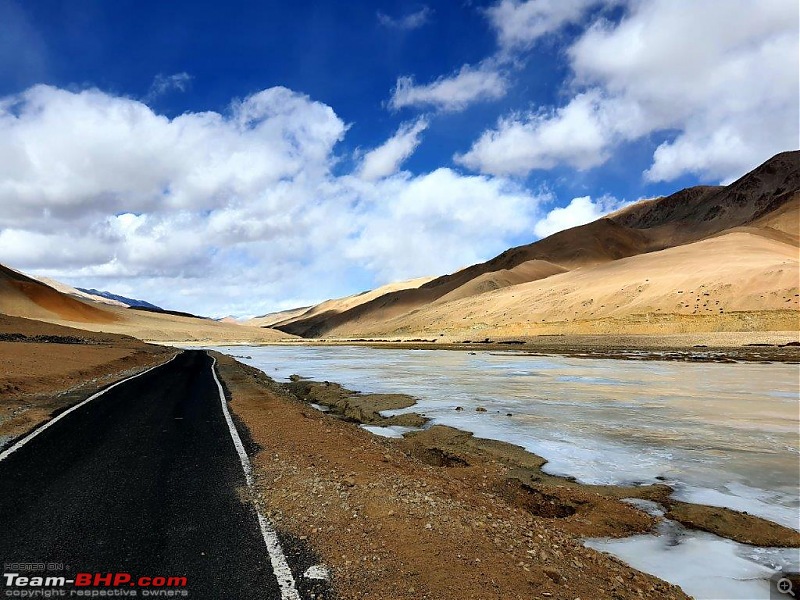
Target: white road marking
<point>317,572</point>
<point>8,451</point>
<point>279,565</point>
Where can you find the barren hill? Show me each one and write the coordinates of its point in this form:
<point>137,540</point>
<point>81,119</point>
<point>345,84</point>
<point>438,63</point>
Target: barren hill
<point>763,204</point>
<point>23,296</point>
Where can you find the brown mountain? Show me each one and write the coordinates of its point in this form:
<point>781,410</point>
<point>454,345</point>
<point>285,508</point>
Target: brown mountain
<point>23,296</point>
<point>763,202</point>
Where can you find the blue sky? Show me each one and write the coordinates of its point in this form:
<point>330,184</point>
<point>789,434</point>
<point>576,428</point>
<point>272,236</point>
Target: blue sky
<point>281,153</point>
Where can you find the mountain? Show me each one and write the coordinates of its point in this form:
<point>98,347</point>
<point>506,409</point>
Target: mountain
<point>270,319</point>
<point>121,299</point>
<point>26,297</point>
<point>23,296</point>
<point>676,232</point>
<point>76,293</point>
<point>329,308</point>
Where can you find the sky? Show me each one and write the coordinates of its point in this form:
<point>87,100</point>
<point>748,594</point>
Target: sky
<point>235,158</point>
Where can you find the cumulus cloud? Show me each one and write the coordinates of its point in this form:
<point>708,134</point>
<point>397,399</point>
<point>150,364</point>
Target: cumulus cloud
<point>520,24</point>
<point>454,92</point>
<point>64,152</point>
<point>719,79</point>
<point>386,159</point>
<point>578,212</point>
<point>576,134</point>
<point>407,22</point>
<point>443,214</point>
<point>231,212</point>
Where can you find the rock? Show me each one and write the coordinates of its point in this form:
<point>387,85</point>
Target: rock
<point>349,481</point>
<point>480,409</point>
<point>553,574</point>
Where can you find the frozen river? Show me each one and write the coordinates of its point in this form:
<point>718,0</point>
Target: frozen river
<point>720,434</point>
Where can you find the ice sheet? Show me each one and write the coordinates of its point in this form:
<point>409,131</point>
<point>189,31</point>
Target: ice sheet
<point>703,565</point>
<point>392,431</point>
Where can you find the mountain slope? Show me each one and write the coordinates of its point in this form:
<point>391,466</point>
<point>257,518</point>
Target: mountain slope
<point>76,293</point>
<point>329,308</point>
<point>763,201</point>
<point>23,296</point>
<point>597,242</point>
<point>121,299</point>
<point>737,281</point>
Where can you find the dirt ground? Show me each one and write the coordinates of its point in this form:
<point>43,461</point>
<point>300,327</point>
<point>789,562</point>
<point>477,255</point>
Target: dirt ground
<point>46,368</point>
<point>393,522</point>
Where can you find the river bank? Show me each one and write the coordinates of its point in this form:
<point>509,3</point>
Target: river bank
<point>389,523</point>
<point>714,347</point>
<point>723,436</point>
<point>597,508</point>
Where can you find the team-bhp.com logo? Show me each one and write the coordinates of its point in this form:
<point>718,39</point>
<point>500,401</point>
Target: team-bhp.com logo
<point>93,585</point>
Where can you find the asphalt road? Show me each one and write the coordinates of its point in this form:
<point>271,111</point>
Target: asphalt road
<point>144,479</point>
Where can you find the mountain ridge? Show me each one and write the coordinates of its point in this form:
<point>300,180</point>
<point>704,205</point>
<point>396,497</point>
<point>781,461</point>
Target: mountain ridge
<point>681,218</point>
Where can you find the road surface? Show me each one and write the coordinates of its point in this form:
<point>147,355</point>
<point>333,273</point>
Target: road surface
<point>146,480</point>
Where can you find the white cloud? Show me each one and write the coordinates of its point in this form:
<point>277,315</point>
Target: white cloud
<point>69,152</point>
<point>166,83</point>
<point>408,22</point>
<point>519,24</point>
<point>442,221</point>
<point>386,159</point>
<point>468,85</point>
<point>576,134</point>
<point>578,212</point>
<point>229,213</point>
<point>720,78</point>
